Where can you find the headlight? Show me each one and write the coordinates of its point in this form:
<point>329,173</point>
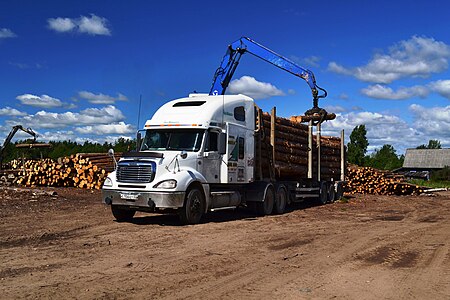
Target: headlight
<point>166,184</point>
<point>108,182</point>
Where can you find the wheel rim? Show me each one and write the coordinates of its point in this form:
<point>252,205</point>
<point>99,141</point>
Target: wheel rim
<point>195,206</point>
<point>281,203</point>
<point>323,193</point>
<point>331,194</point>
<point>268,201</point>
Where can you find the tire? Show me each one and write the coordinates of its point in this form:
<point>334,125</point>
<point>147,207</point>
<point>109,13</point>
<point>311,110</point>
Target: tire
<point>331,193</point>
<point>339,191</point>
<point>280,201</point>
<point>122,215</point>
<point>193,208</point>
<point>323,193</point>
<point>266,206</point>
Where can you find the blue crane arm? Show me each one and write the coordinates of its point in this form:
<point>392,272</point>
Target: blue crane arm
<point>230,61</point>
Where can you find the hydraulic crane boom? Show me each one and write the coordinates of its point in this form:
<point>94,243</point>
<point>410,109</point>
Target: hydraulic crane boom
<point>11,135</point>
<point>230,61</point>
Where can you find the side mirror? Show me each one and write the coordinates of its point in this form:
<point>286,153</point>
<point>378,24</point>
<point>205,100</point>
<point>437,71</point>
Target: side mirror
<point>183,154</point>
<point>111,152</point>
<point>222,144</point>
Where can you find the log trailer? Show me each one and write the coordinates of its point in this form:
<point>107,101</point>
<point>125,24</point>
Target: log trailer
<point>214,151</point>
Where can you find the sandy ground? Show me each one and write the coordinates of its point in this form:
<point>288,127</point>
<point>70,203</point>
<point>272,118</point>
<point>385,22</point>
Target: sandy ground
<point>373,247</point>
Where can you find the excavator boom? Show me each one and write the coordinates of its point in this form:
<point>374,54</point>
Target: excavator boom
<point>11,135</point>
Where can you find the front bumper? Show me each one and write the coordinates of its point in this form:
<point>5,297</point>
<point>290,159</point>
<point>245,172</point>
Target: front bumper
<point>143,199</point>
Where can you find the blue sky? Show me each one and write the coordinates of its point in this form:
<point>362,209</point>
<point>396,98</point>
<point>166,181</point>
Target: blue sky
<point>75,69</point>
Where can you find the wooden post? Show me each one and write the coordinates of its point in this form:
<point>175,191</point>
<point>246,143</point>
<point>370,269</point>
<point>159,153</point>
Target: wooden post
<point>318,151</point>
<point>310,146</point>
<point>273,117</point>
<point>258,141</point>
<point>342,156</point>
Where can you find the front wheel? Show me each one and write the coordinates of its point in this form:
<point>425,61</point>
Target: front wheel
<point>122,215</point>
<point>193,208</point>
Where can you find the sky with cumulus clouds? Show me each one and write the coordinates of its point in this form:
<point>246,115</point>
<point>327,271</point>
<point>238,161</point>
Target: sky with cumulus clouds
<point>77,69</point>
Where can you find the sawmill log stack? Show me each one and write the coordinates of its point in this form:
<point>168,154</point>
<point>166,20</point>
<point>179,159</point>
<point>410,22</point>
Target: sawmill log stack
<point>366,180</point>
<point>81,170</point>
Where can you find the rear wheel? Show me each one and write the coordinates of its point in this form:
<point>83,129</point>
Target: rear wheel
<point>121,214</point>
<point>331,193</point>
<point>281,200</point>
<point>339,191</point>
<point>266,207</point>
<point>323,193</point>
<point>193,208</point>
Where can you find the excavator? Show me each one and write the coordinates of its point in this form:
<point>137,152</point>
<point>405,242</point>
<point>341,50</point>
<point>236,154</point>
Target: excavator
<point>11,135</point>
<point>230,61</point>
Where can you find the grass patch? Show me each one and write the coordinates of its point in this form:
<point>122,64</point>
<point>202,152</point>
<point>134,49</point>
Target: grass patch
<point>343,200</point>
<point>435,184</point>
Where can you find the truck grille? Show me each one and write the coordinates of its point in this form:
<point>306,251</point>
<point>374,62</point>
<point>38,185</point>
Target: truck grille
<point>132,171</point>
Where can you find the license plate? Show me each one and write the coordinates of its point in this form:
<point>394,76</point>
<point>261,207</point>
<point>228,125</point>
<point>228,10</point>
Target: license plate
<point>129,196</point>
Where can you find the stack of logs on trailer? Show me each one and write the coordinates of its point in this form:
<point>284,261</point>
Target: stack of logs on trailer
<point>82,170</point>
<point>290,153</point>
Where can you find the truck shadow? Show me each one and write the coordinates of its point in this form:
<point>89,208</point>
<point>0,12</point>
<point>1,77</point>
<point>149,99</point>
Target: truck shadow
<point>245,214</point>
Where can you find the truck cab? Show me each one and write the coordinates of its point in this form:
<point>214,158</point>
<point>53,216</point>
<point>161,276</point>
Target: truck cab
<point>194,155</point>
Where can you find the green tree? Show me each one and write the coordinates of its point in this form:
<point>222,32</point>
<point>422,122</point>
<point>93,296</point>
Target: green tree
<point>432,144</point>
<point>385,158</point>
<point>357,147</point>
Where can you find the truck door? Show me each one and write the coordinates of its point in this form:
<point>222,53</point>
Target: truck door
<point>211,158</point>
<point>239,154</point>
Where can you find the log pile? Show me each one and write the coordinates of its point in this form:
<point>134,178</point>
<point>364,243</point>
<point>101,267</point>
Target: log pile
<point>291,151</point>
<point>82,170</point>
<point>366,180</point>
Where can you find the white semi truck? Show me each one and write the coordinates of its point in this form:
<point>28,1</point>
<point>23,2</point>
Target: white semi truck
<point>200,153</point>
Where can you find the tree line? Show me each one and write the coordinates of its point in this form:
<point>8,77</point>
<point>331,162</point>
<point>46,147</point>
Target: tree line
<point>384,158</point>
<point>65,148</point>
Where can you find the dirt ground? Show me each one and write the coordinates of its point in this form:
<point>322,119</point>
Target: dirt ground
<point>373,247</point>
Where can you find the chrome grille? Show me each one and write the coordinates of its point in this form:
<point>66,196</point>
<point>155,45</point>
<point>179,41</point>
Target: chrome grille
<point>131,171</point>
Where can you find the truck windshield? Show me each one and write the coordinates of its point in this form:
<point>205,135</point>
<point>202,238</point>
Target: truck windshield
<point>172,139</point>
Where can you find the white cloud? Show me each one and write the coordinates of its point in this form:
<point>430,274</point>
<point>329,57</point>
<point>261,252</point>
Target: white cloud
<point>379,91</point>
<point>381,129</point>
<point>91,116</point>
<point>60,135</point>
<point>101,98</point>
<point>24,66</point>
<point>43,101</point>
<point>249,86</point>
<point>416,57</point>
<point>310,61</point>
<point>433,122</point>
<point>117,128</point>
<point>441,87</point>
<point>6,33</point>
<point>343,96</point>
<point>93,25</point>
<point>335,109</point>
<point>8,111</point>
<point>61,24</point>
<point>65,135</point>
